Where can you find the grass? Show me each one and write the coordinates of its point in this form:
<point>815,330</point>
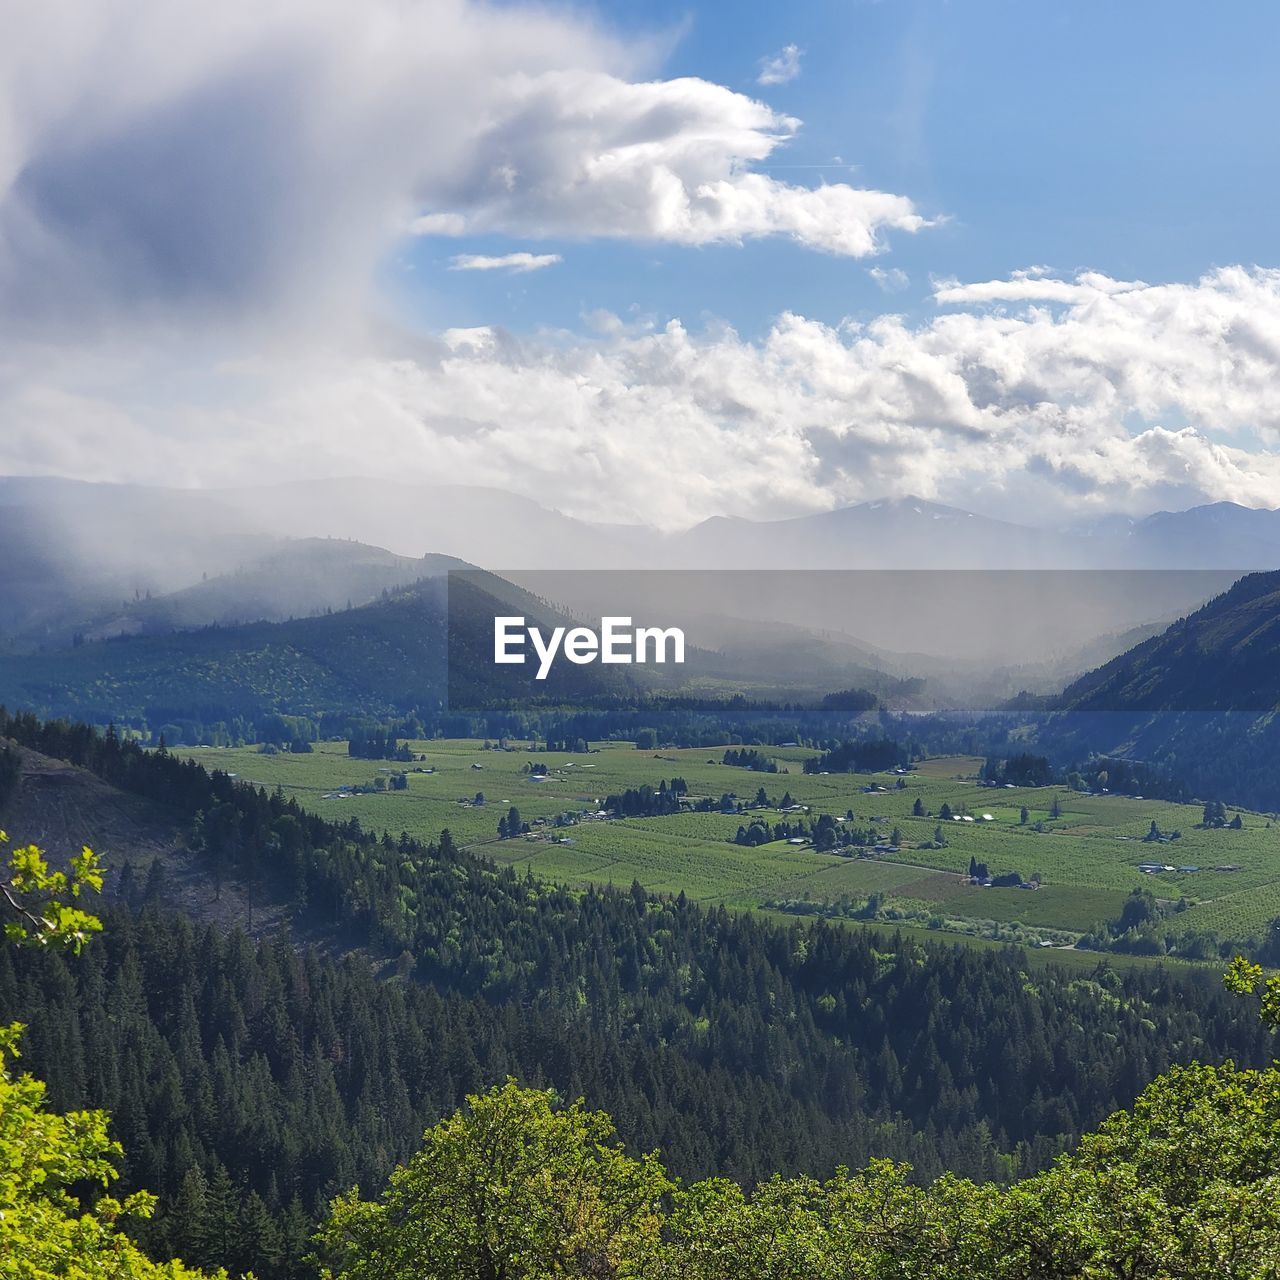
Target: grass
<point>1087,857</point>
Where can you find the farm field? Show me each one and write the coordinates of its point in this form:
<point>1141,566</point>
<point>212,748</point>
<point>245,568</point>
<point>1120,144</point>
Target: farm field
<point>1086,858</point>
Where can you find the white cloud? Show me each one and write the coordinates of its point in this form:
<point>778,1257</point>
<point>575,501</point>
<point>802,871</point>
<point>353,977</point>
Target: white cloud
<point>781,68</point>
<point>584,153</point>
<point>253,158</point>
<point>890,279</point>
<point>1126,397</point>
<point>260,158</point>
<point>1034,285</point>
<point>515,263</point>
<point>181,185</point>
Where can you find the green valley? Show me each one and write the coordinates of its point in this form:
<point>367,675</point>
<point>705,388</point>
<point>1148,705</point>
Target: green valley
<point>1083,850</point>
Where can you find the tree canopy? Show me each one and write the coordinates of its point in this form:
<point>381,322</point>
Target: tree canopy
<point>45,1158</point>
<point>1182,1187</point>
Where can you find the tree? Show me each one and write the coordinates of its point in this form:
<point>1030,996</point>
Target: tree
<point>1215,814</point>
<point>1246,979</point>
<point>46,1231</point>
<point>10,773</point>
<point>42,904</point>
<point>1181,1187</point>
<point>512,824</point>
<point>1140,909</point>
<point>1024,815</point>
<point>45,1158</point>
<point>918,809</point>
<point>718,1232</point>
<point>222,841</point>
<point>514,1187</point>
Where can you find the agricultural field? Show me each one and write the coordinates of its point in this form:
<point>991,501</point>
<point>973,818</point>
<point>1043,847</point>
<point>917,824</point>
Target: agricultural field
<point>1086,857</point>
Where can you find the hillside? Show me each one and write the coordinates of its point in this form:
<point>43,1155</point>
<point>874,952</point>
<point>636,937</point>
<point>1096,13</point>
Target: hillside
<point>383,659</point>
<point>1199,698</point>
<point>61,570</point>
<point>63,807</point>
<point>301,578</point>
<point>1222,657</point>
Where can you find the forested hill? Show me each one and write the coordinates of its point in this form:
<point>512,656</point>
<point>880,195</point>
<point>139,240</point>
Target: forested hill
<point>1197,700</point>
<point>1223,657</point>
<point>251,1081</point>
<point>301,578</point>
<point>384,659</point>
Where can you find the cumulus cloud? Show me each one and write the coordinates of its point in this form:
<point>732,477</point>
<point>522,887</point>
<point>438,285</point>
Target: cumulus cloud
<point>1121,397</point>
<point>513,263</point>
<point>239,161</point>
<point>781,68</point>
<point>583,153</point>
<point>257,156</point>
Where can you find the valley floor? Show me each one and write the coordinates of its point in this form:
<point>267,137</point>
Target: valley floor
<point>1086,858</point>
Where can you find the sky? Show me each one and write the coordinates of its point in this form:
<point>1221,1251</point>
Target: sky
<point>648,261</point>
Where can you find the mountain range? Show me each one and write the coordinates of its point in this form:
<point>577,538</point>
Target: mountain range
<point>125,600</point>
<point>82,559</point>
<point>505,531</point>
<point>915,534</point>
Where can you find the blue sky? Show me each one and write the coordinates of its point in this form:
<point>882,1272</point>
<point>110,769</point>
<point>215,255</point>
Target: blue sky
<point>1017,257</point>
<point>1137,139</point>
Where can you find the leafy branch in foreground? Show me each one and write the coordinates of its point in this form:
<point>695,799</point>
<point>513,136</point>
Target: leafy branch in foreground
<point>46,1158</point>
<point>1247,979</point>
<point>43,905</point>
<point>44,1228</point>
